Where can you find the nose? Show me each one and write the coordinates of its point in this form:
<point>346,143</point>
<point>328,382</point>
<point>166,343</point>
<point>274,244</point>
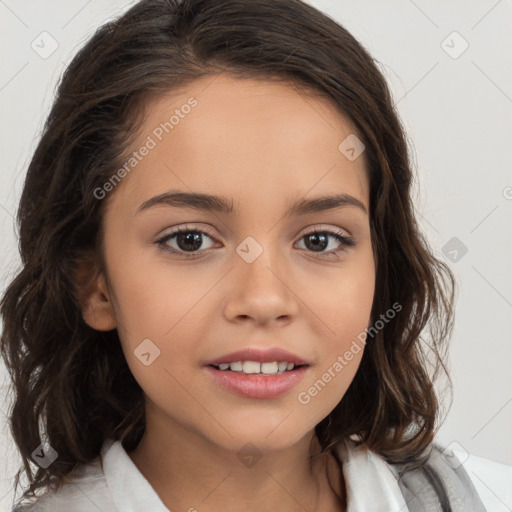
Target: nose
<point>261,291</point>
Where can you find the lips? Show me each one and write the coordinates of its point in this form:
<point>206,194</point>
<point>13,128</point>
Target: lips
<point>257,386</point>
<point>259,355</point>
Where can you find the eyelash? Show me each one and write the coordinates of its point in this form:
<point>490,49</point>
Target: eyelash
<point>346,241</point>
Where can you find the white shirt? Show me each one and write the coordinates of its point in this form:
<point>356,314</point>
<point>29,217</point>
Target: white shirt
<point>112,483</point>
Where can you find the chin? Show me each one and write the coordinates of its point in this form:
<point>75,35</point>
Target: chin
<point>263,438</point>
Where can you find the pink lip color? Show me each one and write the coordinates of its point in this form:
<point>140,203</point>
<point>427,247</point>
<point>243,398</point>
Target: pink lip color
<point>257,386</point>
<point>259,354</point>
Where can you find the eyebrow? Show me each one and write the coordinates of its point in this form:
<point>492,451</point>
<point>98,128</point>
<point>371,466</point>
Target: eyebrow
<point>221,204</point>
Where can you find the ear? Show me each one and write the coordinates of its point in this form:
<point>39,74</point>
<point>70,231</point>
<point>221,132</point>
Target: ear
<point>93,295</point>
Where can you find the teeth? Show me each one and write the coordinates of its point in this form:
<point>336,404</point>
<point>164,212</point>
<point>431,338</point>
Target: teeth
<point>252,367</point>
<point>269,368</point>
<point>236,366</point>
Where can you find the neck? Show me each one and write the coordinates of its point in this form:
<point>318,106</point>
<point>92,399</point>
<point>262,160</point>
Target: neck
<point>188,472</point>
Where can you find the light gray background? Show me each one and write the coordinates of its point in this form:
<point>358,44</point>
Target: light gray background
<point>457,111</point>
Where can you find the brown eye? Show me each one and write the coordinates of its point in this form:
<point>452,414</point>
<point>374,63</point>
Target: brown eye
<point>318,241</point>
<point>184,241</point>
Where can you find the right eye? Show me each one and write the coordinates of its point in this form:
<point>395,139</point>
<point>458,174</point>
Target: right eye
<point>187,241</point>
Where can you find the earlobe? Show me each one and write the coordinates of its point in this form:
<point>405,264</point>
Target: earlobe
<point>93,296</point>
<point>98,312</point>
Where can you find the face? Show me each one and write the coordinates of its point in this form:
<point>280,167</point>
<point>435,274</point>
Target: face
<point>253,278</point>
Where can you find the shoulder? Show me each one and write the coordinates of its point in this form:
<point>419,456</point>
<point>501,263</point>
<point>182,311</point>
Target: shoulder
<point>440,483</point>
<point>84,490</point>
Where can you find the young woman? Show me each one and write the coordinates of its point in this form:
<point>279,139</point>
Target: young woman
<point>225,292</point>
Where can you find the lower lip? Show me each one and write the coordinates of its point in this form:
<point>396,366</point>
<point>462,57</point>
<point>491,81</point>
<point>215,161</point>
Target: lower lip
<point>257,386</point>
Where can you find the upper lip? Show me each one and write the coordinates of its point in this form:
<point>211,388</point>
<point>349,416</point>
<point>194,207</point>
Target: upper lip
<point>260,355</point>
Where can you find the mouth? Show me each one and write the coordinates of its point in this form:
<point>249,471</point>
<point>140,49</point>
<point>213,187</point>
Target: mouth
<point>267,368</point>
<point>252,379</point>
<point>257,373</point>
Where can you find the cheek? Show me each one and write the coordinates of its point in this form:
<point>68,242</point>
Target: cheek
<point>159,309</point>
<point>344,310</point>
<point>150,295</point>
<point>351,307</point>
<point>343,303</point>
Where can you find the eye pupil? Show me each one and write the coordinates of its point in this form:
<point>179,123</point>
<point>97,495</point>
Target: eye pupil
<point>189,237</point>
<point>319,241</point>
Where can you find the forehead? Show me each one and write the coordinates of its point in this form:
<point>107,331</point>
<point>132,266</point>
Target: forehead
<point>243,138</point>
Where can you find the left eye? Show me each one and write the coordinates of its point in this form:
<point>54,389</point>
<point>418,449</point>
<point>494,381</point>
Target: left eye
<point>189,241</point>
<point>319,240</point>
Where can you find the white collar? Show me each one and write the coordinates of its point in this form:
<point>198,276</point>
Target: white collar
<point>129,488</point>
<point>371,483</point>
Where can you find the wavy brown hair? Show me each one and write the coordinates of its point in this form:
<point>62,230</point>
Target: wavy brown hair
<point>74,379</point>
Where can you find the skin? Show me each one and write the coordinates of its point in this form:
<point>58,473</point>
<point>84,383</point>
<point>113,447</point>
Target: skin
<point>262,144</point>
